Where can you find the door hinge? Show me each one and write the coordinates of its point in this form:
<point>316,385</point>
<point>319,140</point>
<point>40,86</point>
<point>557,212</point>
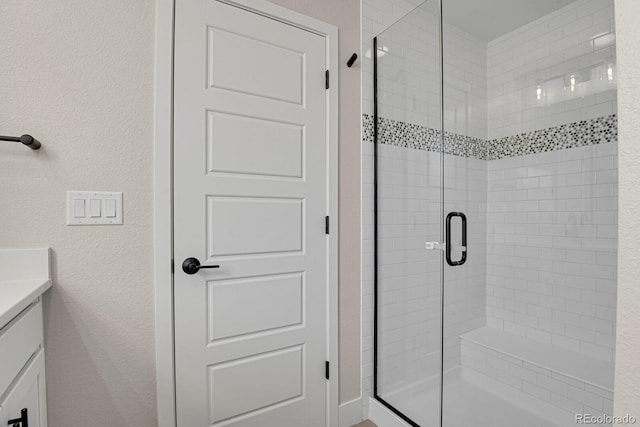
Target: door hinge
<point>326,79</point>
<point>326,369</point>
<point>326,225</point>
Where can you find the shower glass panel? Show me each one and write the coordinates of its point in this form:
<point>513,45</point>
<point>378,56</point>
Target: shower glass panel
<point>408,194</point>
<point>496,226</point>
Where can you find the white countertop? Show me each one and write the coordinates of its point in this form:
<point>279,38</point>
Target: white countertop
<point>16,295</point>
<point>25,274</point>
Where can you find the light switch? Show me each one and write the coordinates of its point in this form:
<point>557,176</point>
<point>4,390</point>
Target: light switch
<point>110,208</point>
<point>78,208</point>
<point>94,208</point>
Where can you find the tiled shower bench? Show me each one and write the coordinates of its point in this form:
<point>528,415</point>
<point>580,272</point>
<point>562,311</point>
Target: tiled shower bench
<point>554,382</point>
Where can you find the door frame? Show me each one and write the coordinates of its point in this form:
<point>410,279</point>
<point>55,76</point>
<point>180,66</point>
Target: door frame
<point>163,198</point>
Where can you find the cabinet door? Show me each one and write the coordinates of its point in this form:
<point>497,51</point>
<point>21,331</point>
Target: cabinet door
<point>27,392</point>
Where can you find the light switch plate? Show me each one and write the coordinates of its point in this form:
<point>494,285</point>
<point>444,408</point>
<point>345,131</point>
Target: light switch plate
<point>94,208</point>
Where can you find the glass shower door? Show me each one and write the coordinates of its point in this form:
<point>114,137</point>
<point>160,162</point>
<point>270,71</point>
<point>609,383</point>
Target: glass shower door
<point>407,154</point>
<point>495,210</point>
<point>530,159</point>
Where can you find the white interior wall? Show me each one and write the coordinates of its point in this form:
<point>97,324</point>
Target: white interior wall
<point>78,75</point>
<point>627,381</point>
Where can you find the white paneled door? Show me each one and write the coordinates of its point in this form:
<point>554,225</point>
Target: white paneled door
<point>250,196</point>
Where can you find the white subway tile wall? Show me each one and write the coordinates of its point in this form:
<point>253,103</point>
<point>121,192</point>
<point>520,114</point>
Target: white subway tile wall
<point>408,275</point>
<point>378,15</point>
<point>552,239</point>
<point>530,70</point>
<point>465,190</point>
<point>409,83</point>
<point>542,227</point>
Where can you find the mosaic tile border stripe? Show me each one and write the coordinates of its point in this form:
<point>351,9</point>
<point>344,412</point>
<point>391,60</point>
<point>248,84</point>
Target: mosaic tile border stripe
<point>600,130</point>
<point>409,135</point>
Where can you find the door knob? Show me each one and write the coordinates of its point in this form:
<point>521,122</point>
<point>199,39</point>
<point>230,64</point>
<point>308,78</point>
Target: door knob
<point>192,266</point>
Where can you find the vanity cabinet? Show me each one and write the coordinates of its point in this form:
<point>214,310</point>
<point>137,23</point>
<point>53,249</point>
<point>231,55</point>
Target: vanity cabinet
<point>22,370</point>
<point>26,399</point>
<point>25,275</point>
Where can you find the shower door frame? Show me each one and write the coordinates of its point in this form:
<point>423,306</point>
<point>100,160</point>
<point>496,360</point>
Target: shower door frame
<point>376,396</point>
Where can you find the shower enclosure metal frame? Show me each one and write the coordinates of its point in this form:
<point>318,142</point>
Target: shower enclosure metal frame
<point>375,228</point>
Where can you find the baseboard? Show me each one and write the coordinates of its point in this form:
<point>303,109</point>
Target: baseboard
<point>350,413</point>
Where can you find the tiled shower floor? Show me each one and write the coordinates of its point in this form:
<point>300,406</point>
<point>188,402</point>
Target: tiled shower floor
<point>465,405</point>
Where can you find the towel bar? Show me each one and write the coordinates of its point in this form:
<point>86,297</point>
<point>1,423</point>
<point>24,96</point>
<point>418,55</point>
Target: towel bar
<point>27,140</point>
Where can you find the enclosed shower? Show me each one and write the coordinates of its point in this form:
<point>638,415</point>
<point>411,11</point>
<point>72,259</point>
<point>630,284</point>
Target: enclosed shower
<point>490,212</point>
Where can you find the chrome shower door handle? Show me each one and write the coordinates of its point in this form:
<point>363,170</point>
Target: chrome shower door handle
<point>448,246</point>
